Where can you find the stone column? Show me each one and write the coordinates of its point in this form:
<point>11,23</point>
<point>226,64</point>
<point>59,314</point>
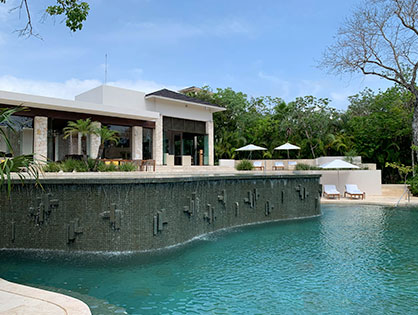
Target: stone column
<point>40,138</point>
<point>137,143</point>
<point>157,141</point>
<point>94,142</point>
<point>209,132</point>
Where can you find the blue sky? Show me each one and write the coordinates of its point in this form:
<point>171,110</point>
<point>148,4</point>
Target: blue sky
<point>257,47</point>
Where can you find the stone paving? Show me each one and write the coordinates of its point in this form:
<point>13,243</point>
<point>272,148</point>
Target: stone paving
<point>16,299</point>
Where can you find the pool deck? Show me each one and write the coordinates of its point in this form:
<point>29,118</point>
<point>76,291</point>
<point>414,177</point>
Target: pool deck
<point>16,299</point>
<point>373,200</point>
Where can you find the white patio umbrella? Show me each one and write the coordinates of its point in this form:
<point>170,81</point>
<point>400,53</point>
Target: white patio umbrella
<point>287,146</point>
<point>338,164</point>
<point>251,148</point>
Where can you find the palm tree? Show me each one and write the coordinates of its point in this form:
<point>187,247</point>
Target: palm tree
<point>84,127</point>
<point>20,165</point>
<point>105,134</point>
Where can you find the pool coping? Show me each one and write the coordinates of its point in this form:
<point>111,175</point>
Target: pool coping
<point>21,299</point>
<point>380,200</point>
<point>140,178</point>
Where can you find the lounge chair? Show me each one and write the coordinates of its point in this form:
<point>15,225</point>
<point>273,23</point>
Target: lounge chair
<point>278,166</point>
<point>352,191</point>
<point>257,165</point>
<point>330,191</point>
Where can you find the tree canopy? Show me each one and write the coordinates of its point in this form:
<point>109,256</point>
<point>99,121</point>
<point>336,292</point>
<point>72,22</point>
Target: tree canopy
<point>376,126</point>
<point>380,38</point>
<point>75,12</point>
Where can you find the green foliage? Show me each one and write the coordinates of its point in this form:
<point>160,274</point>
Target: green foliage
<point>402,169</point>
<point>75,11</point>
<point>305,167</point>
<point>24,165</point>
<point>102,167</point>
<point>376,126</point>
<point>244,165</point>
<point>53,167</point>
<point>127,167</point>
<point>413,182</point>
<point>380,125</point>
<point>71,165</point>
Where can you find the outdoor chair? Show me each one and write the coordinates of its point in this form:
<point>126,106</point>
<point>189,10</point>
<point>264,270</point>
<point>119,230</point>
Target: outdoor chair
<point>257,165</point>
<point>352,191</point>
<point>278,166</point>
<point>330,191</point>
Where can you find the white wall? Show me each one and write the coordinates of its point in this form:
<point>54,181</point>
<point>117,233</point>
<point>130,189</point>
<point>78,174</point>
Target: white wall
<point>368,181</point>
<point>178,110</point>
<point>327,159</point>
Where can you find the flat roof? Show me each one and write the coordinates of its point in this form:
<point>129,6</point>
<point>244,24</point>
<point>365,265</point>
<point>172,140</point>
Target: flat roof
<point>179,97</point>
<point>51,103</point>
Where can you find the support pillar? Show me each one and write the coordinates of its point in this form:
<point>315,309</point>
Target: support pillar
<point>157,143</point>
<point>40,138</point>
<point>94,142</point>
<point>209,132</point>
<point>137,143</point>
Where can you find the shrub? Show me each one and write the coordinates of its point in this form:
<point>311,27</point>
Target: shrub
<point>413,182</point>
<point>306,167</point>
<point>52,167</point>
<point>244,165</point>
<point>71,165</point>
<point>102,167</point>
<point>90,164</point>
<point>127,167</point>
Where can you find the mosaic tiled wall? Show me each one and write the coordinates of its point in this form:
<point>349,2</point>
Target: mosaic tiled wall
<point>144,214</point>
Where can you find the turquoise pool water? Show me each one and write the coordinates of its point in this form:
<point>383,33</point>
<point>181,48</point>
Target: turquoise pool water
<point>350,260</point>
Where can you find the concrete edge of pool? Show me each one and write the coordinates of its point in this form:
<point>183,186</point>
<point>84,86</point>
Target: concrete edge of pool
<point>381,200</point>
<point>21,299</point>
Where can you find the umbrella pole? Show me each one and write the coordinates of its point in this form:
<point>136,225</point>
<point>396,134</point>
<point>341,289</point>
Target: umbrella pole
<point>338,178</point>
<point>288,154</point>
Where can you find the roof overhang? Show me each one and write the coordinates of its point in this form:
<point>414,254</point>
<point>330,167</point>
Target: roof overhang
<point>212,108</point>
<point>43,102</point>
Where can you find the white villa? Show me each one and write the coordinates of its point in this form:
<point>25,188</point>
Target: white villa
<point>166,126</point>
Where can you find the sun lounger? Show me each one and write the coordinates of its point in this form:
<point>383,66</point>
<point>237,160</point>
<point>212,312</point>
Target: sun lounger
<point>278,166</point>
<point>330,191</point>
<point>352,191</point>
<point>258,165</point>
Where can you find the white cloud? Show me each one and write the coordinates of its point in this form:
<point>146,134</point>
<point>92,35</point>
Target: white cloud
<point>283,87</point>
<point>68,89</point>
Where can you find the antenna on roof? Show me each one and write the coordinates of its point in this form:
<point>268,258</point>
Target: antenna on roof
<point>105,74</point>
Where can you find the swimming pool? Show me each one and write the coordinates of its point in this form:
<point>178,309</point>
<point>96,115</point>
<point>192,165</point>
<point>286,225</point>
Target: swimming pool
<point>357,259</point>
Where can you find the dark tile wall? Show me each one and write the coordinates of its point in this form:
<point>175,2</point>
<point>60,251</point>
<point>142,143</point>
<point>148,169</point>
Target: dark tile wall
<point>144,214</point>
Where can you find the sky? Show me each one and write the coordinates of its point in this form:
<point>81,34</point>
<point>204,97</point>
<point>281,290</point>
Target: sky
<point>262,48</point>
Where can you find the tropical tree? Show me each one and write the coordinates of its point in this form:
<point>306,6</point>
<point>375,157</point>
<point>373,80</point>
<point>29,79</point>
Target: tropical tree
<point>75,12</point>
<point>23,165</point>
<point>380,128</point>
<point>106,135</point>
<point>310,121</point>
<point>84,127</point>
<point>380,39</point>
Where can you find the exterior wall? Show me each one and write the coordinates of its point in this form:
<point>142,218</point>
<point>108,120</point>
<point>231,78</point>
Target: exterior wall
<point>116,214</point>
<point>327,159</point>
<point>40,138</point>
<point>185,111</point>
<point>368,181</point>
<point>157,144</point>
<point>137,143</point>
<point>94,142</point>
<point>210,133</point>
